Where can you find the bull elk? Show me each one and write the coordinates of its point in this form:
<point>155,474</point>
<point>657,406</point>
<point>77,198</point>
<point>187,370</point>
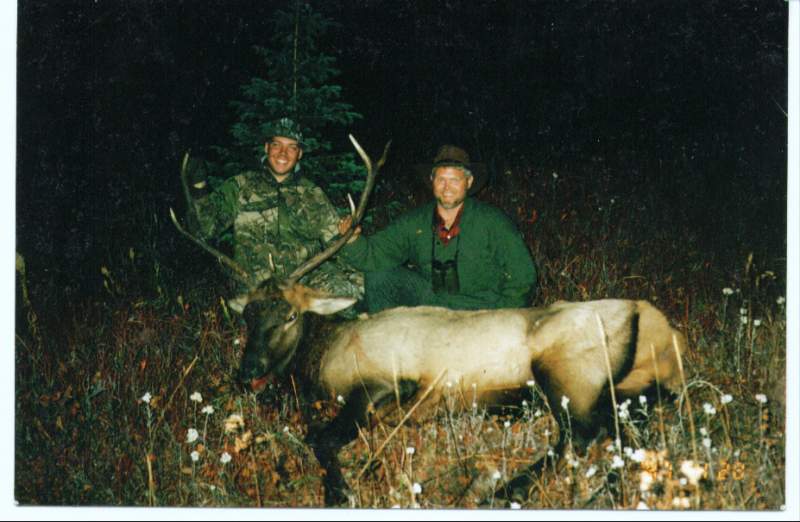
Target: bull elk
<point>409,355</point>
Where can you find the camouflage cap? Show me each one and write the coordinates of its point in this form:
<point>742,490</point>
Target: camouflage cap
<point>287,128</point>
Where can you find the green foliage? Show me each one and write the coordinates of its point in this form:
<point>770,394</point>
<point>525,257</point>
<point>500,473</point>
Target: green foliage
<point>295,82</point>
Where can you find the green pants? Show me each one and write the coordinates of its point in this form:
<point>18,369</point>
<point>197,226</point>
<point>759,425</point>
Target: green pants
<point>397,287</point>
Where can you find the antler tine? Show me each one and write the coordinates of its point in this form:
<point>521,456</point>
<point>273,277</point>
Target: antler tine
<point>239,273</point>
<point>334,247</point>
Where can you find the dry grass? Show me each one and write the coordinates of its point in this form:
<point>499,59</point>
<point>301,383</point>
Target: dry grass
<point>85,436</point>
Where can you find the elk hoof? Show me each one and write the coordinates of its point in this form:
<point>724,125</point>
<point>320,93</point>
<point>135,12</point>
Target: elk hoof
<point>338,497</point>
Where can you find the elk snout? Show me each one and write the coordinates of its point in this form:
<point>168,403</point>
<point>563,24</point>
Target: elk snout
<point>255,367</point>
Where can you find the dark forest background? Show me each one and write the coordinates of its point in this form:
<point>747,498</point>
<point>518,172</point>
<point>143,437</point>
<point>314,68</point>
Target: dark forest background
<point>680,101</point>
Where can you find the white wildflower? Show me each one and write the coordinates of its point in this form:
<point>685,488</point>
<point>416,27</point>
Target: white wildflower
<point>681,502</point>
<point>507,424</point>
<point>515,505</point>
<point>707,443</point>
<point>410,450</point>
<point>756,322</point>
<point>727,291</point>
<point>551,453</point>
<point>192,435</point>
<point>195,456</point>
<point>638,455</point>
<point>703,432</point>
<point>780,300</point>
<point>236,342</point>
<point>628,451</point>
<point>286,429</point>
<point>642,400</point>
<point>744,319</point>
<point>725,399</point>
<point>531,383</point>
<point>225,458</point>
<point>555,175</point>
<point>524,404</point>
<point>146,397</point>
<point>742,311</point>
<point>572,462</point>
<point>233,423</point>
<point>591,471</point>
<point>760,397</point>
<point>693,472</point>
<point>645,480</point>
<point>340,399</point>
<point>617,462</point>
<point>496,475</point>
<point>623,411</point>
<point>709,409</point>
<point>538,413</point>
<point>642,506</point>
<point>416,488</point>
<point>565,402</point>
<point>208,410</point>
<point>196,397</point>
<point>449,384</point>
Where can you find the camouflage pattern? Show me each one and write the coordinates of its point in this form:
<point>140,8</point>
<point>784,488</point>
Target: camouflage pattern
<point>291,221</point>
<point>287,128</point>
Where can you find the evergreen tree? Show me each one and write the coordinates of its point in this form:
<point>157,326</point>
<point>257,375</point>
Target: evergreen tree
<point>297,83</point>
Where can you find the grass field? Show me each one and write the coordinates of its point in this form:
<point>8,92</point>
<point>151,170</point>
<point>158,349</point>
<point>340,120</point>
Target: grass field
<point>127,398</point>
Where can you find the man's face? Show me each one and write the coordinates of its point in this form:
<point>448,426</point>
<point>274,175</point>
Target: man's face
<point>450,186</point>
<point>282,155</point>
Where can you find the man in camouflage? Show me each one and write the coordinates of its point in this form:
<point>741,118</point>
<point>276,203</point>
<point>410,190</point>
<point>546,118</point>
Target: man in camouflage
<point>280,218</point>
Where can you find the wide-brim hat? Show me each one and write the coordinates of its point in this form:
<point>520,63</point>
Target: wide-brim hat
<point>454,156</point>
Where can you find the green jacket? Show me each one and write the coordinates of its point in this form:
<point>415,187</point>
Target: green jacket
<point>495,268</point>
<point>290,220</point>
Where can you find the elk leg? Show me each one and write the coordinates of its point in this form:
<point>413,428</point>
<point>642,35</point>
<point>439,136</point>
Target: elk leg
<point>328,439</point>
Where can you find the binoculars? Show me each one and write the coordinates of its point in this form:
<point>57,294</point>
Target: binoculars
<point>444,276</point>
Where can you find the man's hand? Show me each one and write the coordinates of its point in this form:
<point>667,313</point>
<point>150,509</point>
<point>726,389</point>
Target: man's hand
<point>344,226</point>
<point>198,184</point>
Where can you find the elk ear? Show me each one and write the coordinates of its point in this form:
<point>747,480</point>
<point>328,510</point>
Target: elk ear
<point>238,303</point>
<point>329,305</point>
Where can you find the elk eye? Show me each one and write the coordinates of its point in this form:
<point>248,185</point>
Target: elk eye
<point>292,317</point>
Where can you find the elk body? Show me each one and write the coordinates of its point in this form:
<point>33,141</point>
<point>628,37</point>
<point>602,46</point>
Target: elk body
<point>569,349</point>
<point>402,355</point>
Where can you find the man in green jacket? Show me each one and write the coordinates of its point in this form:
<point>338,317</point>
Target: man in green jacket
<point>455,252</point>
<point>279,217</point>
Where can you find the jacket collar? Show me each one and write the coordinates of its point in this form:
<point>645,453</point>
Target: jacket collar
<point>293,179</point>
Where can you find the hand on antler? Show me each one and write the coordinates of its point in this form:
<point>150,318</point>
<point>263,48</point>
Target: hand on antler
<point>344,226</point>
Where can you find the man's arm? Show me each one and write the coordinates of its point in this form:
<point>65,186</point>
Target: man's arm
<point>386,249</point>
<point>217,211</point>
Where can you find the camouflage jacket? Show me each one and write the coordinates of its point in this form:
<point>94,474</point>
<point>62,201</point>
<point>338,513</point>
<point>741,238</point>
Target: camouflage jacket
<point>290,220</point>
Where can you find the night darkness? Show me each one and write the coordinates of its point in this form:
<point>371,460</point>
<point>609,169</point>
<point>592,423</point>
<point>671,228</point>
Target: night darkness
<point>111,94</point>
<point>640,146</point>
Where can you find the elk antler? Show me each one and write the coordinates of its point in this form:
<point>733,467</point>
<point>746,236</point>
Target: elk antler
<point>334,247</point>
<point>239,273</point>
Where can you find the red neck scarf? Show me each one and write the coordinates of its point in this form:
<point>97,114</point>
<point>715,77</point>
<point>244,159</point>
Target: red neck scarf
<point>445,234</point>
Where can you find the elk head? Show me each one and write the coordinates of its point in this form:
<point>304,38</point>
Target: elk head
<point>273,310</point>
